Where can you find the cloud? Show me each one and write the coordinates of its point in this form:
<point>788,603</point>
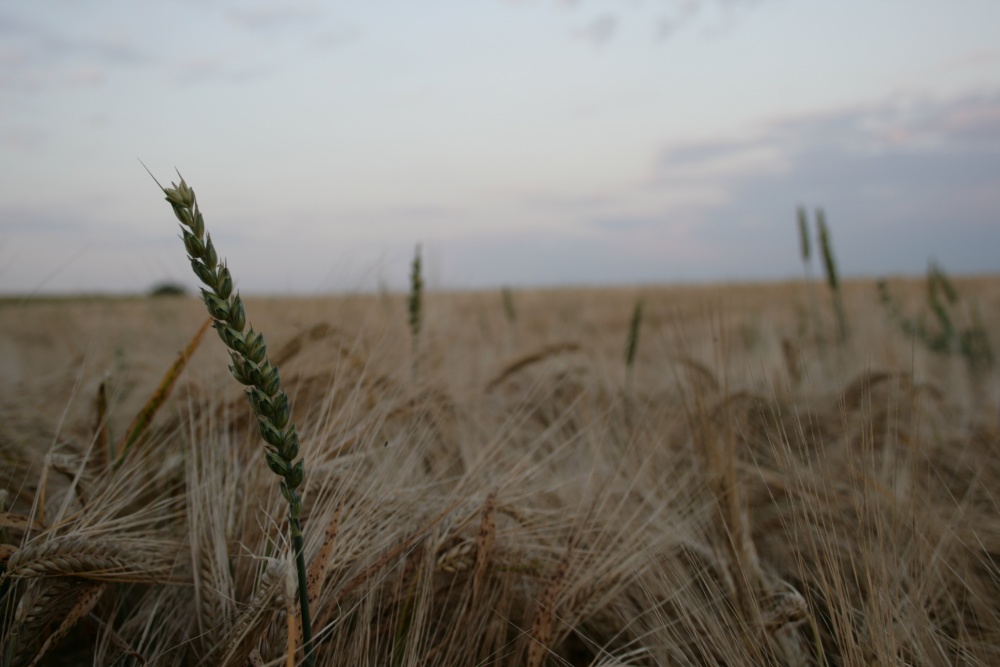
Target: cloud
<point>218,68</point>
<point>272,15</point>
<point>668,25</point>
<point>968,123</point>
<point>25,138</point>
<point>976,59</point>
<point>269,39</point>
<point>714,157</point>
<point>972,125</point>
<point>37,41</point>
<point>337,37</point>
<point>667,18</point>
<point>599,31</point>
<point>25,220</point>
<point>34,79</point>
<point>38,56</point>
<point>901,181</point>
<point>625,223</point>
<point>549,257</point>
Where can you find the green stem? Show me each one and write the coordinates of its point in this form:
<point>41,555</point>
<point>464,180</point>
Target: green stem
<point>300,565</point>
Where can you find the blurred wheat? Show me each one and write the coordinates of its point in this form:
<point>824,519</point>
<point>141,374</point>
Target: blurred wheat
<point>502,510</point>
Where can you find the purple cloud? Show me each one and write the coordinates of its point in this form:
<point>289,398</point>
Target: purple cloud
<point>901,182</point>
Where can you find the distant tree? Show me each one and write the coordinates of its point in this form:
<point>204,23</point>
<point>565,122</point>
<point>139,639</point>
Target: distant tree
<point>168,289</point>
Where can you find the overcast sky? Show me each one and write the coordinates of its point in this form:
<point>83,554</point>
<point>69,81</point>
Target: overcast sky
<point>521,143</point>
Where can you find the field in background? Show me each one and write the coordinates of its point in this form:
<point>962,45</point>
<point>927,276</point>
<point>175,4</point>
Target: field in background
<point>757,492</point>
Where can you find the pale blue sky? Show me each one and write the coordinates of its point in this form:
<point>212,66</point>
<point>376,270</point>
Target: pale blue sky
<point>521,143</point>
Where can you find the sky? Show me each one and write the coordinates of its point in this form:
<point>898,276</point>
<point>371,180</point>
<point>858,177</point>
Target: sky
<point>519,143</point>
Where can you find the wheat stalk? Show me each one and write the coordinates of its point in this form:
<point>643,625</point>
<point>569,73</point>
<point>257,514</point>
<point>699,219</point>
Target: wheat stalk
<point>805,249</point>
<point>508,304</point>
<point>541,627</point>
<point>484,542</point>
<point>832,278</point>
<point>252,369</point>
<point>415,305</point>
<point>631,347</point>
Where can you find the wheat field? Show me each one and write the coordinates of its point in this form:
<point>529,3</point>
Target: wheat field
<point>504,490</point>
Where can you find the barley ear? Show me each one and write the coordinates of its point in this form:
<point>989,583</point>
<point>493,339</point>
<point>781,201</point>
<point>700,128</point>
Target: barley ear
<point>319,567</point>
<point>86,601</point>
<point>251,368</point>
<point>140,424</point>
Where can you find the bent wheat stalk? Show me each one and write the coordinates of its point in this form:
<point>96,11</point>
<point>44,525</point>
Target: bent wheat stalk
<point>252,369</point>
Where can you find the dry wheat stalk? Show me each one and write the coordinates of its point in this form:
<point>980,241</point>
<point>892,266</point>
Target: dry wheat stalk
<point>484,543</point>
<point>39,606</point>
<point>541,627</point>
<point>21,522</point>
<point>261,608</point>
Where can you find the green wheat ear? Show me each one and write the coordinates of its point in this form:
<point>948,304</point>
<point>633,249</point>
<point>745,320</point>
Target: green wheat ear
<point>415,304</point>
<point>805,247</point>
<point>416,294</point>
<point>251,368</point>
<point>632,344</point>
<point>631,347</point>
<point>508,304</point>
<point>829,262</point>
<point>832,279</point>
